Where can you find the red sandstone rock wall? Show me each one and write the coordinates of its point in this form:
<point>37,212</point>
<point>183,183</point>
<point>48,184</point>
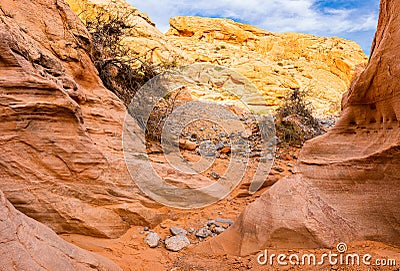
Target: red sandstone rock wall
<point>29,245</point>
<point>61,159</point>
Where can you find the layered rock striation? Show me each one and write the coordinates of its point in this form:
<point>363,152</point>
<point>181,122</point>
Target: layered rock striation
<point>29,245</point>
<point>61,158</point>
<point>346,184</point>
<point>276,63</point>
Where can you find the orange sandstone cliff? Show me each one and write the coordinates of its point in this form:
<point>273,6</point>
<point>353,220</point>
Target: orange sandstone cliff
<point>61,159</point>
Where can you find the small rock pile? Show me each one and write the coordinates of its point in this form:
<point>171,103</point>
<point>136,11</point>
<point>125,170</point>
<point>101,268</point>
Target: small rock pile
<point>210,140</point>
<point>179,239</point>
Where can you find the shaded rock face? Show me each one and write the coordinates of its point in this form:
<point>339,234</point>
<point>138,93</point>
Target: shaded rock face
<point>29,245</point>
<point>347,181</point>
<point>61,159</point>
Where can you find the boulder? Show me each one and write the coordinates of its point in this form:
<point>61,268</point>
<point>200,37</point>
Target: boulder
<point>177,231</point>
<point>29,245</point>
<point>177,243</point>
<point>152,239</point>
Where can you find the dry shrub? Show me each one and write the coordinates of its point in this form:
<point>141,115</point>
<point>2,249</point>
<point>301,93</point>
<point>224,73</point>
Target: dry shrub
<point>295,123</point>
<point>161,112</point>
<point>119,77</point>
<point>122,70</point>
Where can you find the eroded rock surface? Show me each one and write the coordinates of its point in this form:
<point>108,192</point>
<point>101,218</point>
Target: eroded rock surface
<point>144,38</point>
<point>346,184</point>
<point>29,245</point>
<point>61,158</point>
<point>276,63</point>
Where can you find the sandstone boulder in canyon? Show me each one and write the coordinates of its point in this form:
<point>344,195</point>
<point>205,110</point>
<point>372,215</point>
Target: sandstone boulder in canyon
<point>28,245</point>
<point>347,181</point>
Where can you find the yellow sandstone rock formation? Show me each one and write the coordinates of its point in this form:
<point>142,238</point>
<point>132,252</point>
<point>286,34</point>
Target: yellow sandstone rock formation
<point>144,38</point>
<point>274,62</point>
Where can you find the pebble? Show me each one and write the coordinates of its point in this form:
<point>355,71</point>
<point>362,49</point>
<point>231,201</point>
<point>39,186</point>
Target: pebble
<point>212,222</point>
<point>203,233</point>
<point>146,228</point>
<point>219,230</point>
<point>225,221</point>
<point>279,169</point>
<point>176,243</point>
<point>177,231</point>
<point>215,175</point>
<point>187,145</point>
<point>207,148</point>
<point>152,239</point>
<point>219,146</point>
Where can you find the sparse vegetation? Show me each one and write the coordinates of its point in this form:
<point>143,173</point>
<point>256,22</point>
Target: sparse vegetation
<point>159,115</point>
<point>122,70</point>
<point>294,120</point>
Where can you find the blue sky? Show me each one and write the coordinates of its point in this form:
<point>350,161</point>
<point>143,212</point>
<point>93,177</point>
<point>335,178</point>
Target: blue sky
<point>350,19</point>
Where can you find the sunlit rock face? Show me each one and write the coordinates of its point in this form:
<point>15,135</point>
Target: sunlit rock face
<point>61,158</point>
<point>346,184</point>
<point>275,62</point>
